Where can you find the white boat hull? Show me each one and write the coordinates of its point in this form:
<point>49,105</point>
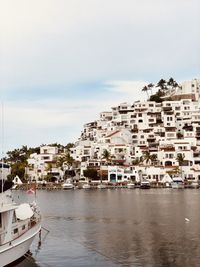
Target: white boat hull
<point>130,186</point>
<point>86,186</point>
<point>177,186</point>
<point>15,249</point>
<point>101,186</point>
<point>68,187</point>
<point>145,185</point>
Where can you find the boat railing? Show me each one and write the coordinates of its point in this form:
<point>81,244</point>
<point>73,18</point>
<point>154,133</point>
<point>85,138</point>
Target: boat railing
<point>36,218</point>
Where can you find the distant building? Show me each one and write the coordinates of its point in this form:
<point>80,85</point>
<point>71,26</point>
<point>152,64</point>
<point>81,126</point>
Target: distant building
<point>130,131</point>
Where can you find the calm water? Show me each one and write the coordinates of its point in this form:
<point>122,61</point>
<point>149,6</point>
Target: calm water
<point>118,228</point>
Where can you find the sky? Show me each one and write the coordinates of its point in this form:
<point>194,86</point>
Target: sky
<point>64,61</point>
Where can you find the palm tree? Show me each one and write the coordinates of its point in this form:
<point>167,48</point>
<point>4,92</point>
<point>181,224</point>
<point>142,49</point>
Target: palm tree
<point>172,83</point>
<point>48,170</point>
<point>65,158</point>
<point>162,85</point>
<point>60,161</point>
<point>150,86</point>
<point>137,161</point>
<point>106,155</point>
<point>180,158</point>
<point>153,158</point>
<point>147,156</point>
<point>68,159</point>
<point>68,146</point>
<point>146,89</point>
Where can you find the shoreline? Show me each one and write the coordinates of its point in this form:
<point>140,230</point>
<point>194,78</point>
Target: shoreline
<point>79,186</point>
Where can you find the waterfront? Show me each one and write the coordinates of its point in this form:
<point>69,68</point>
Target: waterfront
<point>117,227</point>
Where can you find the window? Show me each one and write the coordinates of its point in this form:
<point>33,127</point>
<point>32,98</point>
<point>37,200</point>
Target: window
<point>15,231</point>
<point>119,177</point>
<point>169,118</point>
<point>46,158</point>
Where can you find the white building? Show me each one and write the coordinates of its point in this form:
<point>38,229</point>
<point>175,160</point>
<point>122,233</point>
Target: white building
<point>164,129</point>
<point>44,163</point>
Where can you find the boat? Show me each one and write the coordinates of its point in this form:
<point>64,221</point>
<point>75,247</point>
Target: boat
<point>145,184</point>
<point>101,186</point>
<point>68,185</point>
<point>19,224</point>
<point>87,186</point>
<point>177,183</point>
<point>194,185</point>
<point>130,185</point>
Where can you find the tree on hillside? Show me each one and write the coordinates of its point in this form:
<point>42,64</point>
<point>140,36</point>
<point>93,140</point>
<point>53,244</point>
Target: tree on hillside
<point>64,159</point>
<point>162,85</point>
<point>69,160</point>
<point>137,161</point>
<point>106,155</point>
<point>21,154</point>
<point>91,174</point>
<point>147,157</point>
<point>18,169</point>
<point>48,169</point>
<point>14,155</point>
<point>68,146</point>
<point>180,158</point>
<point>171,82</point>
<point>154,158</point>
<point>150,87</point>
<point>157,97</point>
<point>146,89</point>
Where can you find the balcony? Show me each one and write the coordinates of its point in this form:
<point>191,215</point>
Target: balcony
<point>167,109</point>
<point>153,145</point>
<point>167,148</point>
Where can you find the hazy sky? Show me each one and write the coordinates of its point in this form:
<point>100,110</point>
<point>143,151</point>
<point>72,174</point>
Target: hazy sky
<point>64,61</point>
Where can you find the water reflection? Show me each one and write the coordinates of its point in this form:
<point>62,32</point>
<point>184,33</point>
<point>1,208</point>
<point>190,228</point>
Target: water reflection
<point>25,261</point>
<point>119,227</point>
